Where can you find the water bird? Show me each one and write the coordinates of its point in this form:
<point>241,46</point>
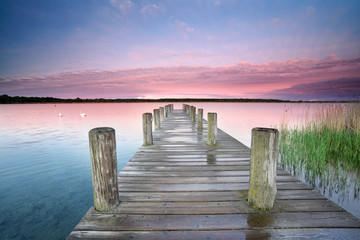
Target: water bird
<point>60,115</point>
<point>82,114</point>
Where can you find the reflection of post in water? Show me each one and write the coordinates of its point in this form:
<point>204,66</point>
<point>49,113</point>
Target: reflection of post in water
<point>211,158</point>
<point>259,220</point>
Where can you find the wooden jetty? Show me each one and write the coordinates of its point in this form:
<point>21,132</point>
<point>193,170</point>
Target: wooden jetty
<point>183,188</point>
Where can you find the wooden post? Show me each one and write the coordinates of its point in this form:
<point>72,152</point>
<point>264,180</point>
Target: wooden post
<point>104,168</point>
<point>166,111</point>
<point>147,129</point>
<point>183,107</point>
<point>188,109</point>
<point>192,114</point>
<point>157,118</point>
<point>162,114</point>
<point>212,129</point>
<point>200,119</point>
<point>264,153</point>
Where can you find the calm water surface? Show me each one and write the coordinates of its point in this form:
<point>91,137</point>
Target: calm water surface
<point>45,171</point>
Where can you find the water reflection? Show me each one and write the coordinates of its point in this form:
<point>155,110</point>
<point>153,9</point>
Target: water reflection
<point>211,158</point>
<point>45,164</point>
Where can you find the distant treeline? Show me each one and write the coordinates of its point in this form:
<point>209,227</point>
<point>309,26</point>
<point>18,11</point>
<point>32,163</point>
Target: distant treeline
<point>5,99</point>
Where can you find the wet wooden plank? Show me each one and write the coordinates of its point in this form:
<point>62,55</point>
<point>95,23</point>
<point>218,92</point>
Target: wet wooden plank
<point>190,164</point>
<point>214,196</point>
<point>304,233</point>
<point>192,173</point>
<point>185,169</point>
<point>182,158</point>
<point>152,187</point>
<point>130,222</point>
<point>227,207</point>
<point>185,174</point>
<point>210,179</point>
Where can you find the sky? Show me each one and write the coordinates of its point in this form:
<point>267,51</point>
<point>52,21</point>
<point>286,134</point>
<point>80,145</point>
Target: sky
<point>290,50</point>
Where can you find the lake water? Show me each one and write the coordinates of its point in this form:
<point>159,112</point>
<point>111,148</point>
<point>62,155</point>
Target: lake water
<point>45,170</point>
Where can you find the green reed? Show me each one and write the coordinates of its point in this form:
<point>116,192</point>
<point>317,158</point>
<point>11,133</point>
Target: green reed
<point>327,146</point>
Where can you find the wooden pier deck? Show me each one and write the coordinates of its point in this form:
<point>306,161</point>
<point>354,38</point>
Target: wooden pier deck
<point>181,188</point>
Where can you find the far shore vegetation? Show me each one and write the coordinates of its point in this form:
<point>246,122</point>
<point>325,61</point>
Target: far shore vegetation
<point>326,147</point>
<point>5,99</point>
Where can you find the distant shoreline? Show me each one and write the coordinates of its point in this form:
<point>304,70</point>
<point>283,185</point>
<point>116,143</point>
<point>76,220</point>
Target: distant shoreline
<point>5,99</point>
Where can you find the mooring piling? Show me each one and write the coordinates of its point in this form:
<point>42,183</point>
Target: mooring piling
<point>192,114</point>
<point>104,168</point>
<point>264,149</point>
<point>157,118</point>
<point>162,114</point>
<point>212,129</point>
<point>147,129</point>
<point>187,109</point>
<point>200,119</point>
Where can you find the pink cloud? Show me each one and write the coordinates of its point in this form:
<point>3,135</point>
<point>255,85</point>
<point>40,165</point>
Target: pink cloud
<point>243,80</point>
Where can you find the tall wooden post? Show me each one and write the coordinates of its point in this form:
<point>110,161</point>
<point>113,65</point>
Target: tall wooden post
<point>188,109</point>
<point>157,118</point>
<point>263,158</point>
<point>192,114</point>
<point>162,114</point>
<point>200,119</point>
<point>147,129</point>
<point>104,168</point>
<point>212,129</point>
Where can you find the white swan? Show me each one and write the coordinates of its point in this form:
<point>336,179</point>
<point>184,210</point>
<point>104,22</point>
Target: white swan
<point>82,114</point>
<point>60,115</point>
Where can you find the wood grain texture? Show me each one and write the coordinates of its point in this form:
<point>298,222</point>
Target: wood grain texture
<point>104,168</point>
<point>182,188</point>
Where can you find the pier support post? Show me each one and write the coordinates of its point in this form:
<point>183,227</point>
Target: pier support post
<point>200,119</point>
<point>264,153</point>
<point>192,114</point>
<point>102,145</point>
<point>162,114</point>
<point>212,129</point>
<point>188,109</point>
<point>147,129</point>
<point>157,118</point>
<point>166,111</point>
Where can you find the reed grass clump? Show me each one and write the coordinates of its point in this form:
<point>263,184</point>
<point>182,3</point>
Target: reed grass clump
<point>327,146</point>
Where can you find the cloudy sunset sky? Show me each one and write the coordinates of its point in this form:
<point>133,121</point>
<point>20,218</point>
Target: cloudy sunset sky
<point>296,50</point>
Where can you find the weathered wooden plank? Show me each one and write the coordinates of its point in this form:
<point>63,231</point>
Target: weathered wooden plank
<point>153,187</point>
<point>210,179</point>
<point>192,173</point>
<point>188,159</point>
<point>185,169</point>
<point>130,222</point>
<point>227,207</point>
<point>304,233</point>
<point>189,164</point>
<point>214,196</point>
<point>184,174</point>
